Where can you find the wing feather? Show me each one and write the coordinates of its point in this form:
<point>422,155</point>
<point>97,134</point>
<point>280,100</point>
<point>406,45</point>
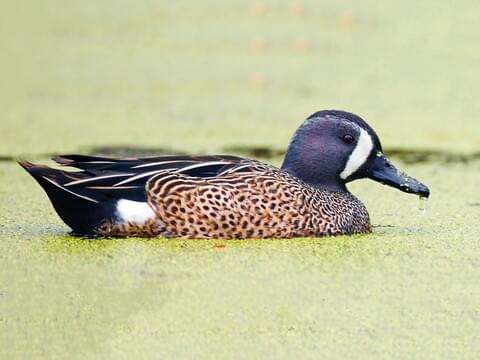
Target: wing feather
<point>111,174</point>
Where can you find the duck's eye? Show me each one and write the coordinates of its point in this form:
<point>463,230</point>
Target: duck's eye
<point>348,139</point>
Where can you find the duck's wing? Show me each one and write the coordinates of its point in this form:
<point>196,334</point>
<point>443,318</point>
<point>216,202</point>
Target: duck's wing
<point>127,178</point>
<point>99,165</point>
<point>250,199</point>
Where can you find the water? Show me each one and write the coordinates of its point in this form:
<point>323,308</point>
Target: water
<point>422,206</point>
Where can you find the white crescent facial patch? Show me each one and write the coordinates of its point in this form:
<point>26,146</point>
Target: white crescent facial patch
<point>359,155</point>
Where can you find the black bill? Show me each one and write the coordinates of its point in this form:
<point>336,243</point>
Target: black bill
<point>383,171</point>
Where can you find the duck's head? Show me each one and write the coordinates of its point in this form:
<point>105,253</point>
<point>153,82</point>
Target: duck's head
<point>332,148</point>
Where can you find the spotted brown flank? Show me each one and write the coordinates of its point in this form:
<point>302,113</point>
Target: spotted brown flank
<point>251,200</point>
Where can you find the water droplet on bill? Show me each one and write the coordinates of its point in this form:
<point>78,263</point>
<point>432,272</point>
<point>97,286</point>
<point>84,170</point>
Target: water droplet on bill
<point>423,204</point>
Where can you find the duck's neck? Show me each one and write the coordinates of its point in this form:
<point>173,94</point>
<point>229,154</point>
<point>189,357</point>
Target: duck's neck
<point>313,178</point>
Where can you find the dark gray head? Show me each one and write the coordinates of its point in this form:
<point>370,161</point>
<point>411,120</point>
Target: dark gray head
<point>334,147</point>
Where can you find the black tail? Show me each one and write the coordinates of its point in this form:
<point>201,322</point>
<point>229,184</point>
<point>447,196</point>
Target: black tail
<point>80,209</point>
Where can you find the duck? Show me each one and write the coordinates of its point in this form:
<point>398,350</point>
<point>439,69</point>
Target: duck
<point>226,196</point>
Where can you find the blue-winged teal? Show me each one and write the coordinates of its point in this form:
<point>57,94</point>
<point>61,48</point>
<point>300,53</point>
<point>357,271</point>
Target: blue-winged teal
<point>227,196</point>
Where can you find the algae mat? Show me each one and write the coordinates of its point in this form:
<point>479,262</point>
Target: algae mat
<point>202,77</point>
<point>410,289</point>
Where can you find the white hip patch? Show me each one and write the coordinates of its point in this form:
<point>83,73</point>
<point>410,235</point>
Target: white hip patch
<point>359,155</point>
<point>134,211</point>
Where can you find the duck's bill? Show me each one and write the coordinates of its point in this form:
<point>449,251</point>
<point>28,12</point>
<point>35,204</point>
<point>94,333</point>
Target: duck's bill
<point>383,171</point>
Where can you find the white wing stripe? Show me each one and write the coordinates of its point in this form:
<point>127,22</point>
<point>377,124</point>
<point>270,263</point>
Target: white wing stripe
<point>235,169</point>
<point>71,192</point>
<point>195,166</point>
<point>76,182</point>
<point>136,177</point>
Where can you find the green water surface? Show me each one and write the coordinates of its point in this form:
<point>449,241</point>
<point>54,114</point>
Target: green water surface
<point>199,78</point>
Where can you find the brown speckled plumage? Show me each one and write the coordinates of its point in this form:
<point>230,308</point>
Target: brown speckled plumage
<point>150,228</point>
<point>263,202</point>
<point>245,199</point>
